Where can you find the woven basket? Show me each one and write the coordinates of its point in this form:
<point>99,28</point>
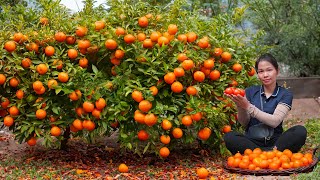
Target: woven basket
<point>285,172</point>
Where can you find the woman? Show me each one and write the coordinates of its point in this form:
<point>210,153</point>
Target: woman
<point>262,112</point>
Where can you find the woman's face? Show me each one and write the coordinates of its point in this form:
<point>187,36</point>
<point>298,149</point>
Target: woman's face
<point>267,73</point>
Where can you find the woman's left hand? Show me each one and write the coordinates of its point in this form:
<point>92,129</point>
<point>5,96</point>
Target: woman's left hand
<point>239,100</point>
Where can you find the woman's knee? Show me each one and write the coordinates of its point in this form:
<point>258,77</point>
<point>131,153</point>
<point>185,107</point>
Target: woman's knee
<point>229,137</point>
<point>300,131</point>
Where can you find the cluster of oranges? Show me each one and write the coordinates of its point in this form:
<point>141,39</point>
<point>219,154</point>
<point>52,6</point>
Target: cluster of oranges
<point>234,91</point>
<point>59,77</point>
<point>275,160</point>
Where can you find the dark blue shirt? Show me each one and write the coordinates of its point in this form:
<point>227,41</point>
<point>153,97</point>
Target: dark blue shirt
<point>257,97</point>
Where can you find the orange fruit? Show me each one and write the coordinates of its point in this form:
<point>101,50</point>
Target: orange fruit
<point>163,41</point>
<point>17,37</point>
<point>182,38</point>
<point>139,117</point>
<point>178,72</point>
<point>83,44</point>
<point>150,119</point>
<point>32,141</point>
<point>251,72</point>
<point>81,31</point>
<point>187,64</point>
<point>8,121</point>
<point>72,53</point>
<point>225,57</point>
<point>143,135</point>
<point>237,67</point>
<point>96,113</point>
<point>226,129</point>
<point>169,78</point>
<point>154,90</point>
<point>55,131</point>
<point>191,37</point>
<point>186,120</point>
<point>202,173</point>
<point>197,116</point>
<point>191,91</point>
<point>177,133</point>
<point>203,43</point>
<point>204,133</point>
<point>5,103</point>
<point>287,152</point>
<point>49,51</point>
<point>176,87</point>
<point>172,29</point>
<point>60,36</point>
<point>44,21</point>
<point>257,151</point>
<point>119,54</point>
<point>123,168</point>
<point>247,151</point>
<point>145,105</point>
<point>143,21</point>
<point>14,111</point>
<point>165,139</point>
<point>141,37</point>
<point>42,69</point>
<point>20,94</point>
<point>199,76</point>
<point>217,52</point>
<point>296,156</point>
<point>77,124</point>
<point>70,40</point>
<point>154,36</point>
<point>120,31</point>
<point>13,82</point>
<point>63,77</point>
<point>41,114</point>
<point>88,106</point>
<point>98,25</point>
<point>181,57</point>
<point>111,44</point>
<point>166,124</point>
<point>100,103</point>
<point>88,125</point>
<point>129,39</point>
<point>147,43</point>
<point>10,46</point>
<point>26,62</point>
<point>52,83</point>
<point>3,79</point>
<point>209,63</point>
<point>164,152</point>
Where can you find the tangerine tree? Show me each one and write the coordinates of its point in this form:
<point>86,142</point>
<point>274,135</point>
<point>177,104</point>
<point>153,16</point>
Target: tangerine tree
<point>156,74</point>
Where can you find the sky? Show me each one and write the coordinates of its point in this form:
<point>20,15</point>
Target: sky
<point>76,5</point>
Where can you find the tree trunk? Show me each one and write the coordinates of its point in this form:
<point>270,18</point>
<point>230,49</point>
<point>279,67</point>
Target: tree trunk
<point>66,136</point>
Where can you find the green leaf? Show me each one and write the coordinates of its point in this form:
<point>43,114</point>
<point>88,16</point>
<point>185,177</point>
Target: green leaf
<point>94,69</point>
<point>124,136</point>
<point>146,148</point>
<point>55,110</point>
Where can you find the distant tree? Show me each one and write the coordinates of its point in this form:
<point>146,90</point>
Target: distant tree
<point>292,32</point>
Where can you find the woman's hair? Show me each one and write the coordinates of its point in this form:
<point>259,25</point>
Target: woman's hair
<point>269,58</point>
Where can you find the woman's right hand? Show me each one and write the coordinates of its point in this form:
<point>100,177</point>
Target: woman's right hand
<point>239,100</point>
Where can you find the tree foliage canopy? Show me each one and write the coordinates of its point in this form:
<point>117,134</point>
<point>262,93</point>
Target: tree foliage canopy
<point>292,32</point>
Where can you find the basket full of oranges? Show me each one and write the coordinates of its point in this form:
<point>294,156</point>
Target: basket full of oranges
<point>274,162</point>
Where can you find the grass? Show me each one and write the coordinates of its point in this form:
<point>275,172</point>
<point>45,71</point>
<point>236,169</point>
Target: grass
<point>24,169</point>
<point>313,141</point>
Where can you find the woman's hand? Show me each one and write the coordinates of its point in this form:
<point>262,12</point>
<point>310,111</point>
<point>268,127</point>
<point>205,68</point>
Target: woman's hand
<point>239,100</point>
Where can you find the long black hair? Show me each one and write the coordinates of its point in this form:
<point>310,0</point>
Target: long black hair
<point>269,58</point>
